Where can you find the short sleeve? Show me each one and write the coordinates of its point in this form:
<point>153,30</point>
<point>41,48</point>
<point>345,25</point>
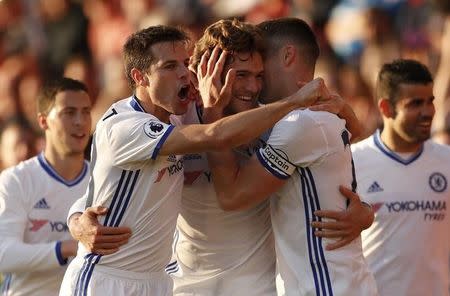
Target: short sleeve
<point>135,139</point>
<point>297,140</point>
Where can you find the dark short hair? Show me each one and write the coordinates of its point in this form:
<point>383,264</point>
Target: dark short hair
<point>46,98</point>
<point>137,49</point>
<point>230,35</point>
<point>279,31</point>
<point>400,71</point>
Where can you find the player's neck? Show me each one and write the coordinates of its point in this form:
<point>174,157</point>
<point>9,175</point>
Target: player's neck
<point>397,144</point>
<point>68,167</point>
<point>149,107</point>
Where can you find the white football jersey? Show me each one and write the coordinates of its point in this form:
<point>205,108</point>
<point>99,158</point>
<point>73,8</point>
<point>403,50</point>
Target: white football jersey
<point>311,150</point>
<point>219,252</point>
<point>34,201</point>
<point>141,189</point>
<point>407,246</point>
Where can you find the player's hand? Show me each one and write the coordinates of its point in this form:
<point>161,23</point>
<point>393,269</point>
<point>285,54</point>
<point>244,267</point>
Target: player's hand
<point>69,248</point>
<point>215,92</point>
<point>333,104</point>
<point>95,237</point>
<point>310,93</point>
<point>347,225</point>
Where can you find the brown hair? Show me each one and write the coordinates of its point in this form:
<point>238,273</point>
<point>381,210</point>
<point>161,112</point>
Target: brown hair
<point>229,35</point>
<point>137,50</point>
<point>46,98</point>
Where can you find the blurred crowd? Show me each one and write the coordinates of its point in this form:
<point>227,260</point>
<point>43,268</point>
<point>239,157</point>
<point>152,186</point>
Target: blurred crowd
<point>82,39</point>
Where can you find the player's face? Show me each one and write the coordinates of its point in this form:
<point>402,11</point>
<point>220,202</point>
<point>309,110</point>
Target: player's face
<point>169,77</point>
<point>69,122</point>
<point>414,113</point>
<point>248,82</point>
<point>273,76</point>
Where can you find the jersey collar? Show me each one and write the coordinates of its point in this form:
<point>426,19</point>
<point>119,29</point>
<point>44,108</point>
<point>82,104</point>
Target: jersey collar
<point>391,154</point>
<point>136,105</point>
<point>52,172</point>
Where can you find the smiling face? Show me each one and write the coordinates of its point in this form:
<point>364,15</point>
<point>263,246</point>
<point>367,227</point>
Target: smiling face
<point>413,113</point>
<point>67,124</point>
<point>248,82</point>
<point>169,77</point>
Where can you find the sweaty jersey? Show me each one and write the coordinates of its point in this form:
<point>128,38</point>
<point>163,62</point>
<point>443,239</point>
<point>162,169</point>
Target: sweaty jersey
<point>407,246</point>
<point>220,253</point>
<point>34,201</point>
<point>141,189</point>
<point>311,150</point>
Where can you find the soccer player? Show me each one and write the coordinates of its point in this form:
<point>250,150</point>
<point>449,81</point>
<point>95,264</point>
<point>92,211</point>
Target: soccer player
<point>220,253</point>
<point>137,171</point>
<point>306,158</point>
<point>35,195</point>
<point>405,176</point>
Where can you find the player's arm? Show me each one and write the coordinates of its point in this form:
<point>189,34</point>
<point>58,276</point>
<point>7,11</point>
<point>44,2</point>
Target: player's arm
<point>244,186</point>
<point>240,187</point>
<point>345,225</point>
<point>237,129</point>
<point>15,254</point>
<point>341,108</point>
<point>96,238</point>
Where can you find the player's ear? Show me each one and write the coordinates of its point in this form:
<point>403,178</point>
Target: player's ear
<point>288,54</point>
<point>42,120</point>
<point>139,77</point>
<point>386,108</point>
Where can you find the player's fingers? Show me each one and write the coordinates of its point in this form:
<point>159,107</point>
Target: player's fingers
<point>105,251</point>
<point>349,194</point>
<point>96,211</point>
<point>218,68</point>
<point>323,106</point>
<point>113,230</point>
<point>108,246</point>
<point>331,225</point>
<point>106,239</point>
<point>336,215</point>
<point>212,60</point>
<point>330,233</point>
<point>201,67</point>
<point>229,79</point>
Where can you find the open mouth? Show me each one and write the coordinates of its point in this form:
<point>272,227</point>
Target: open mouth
<point>245,98</point>
<point>183,94</point>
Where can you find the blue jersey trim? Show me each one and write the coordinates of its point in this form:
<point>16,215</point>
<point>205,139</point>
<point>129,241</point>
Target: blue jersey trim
<point>136,105</point>
<point>52,173</point>
<point>85,273</point>
<point>6,284</point>
<point>59,255</point>
<point>269,167</point>
<point>391,154</point>
<point>161,141</point>
<point>317,260</point>
<point>121,198</point>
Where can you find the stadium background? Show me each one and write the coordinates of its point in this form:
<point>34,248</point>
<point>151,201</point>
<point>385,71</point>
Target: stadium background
<point>41,39</point>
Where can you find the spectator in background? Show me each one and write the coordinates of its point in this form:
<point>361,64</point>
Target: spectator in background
<point>17,142</point>
<point>64,29</point>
